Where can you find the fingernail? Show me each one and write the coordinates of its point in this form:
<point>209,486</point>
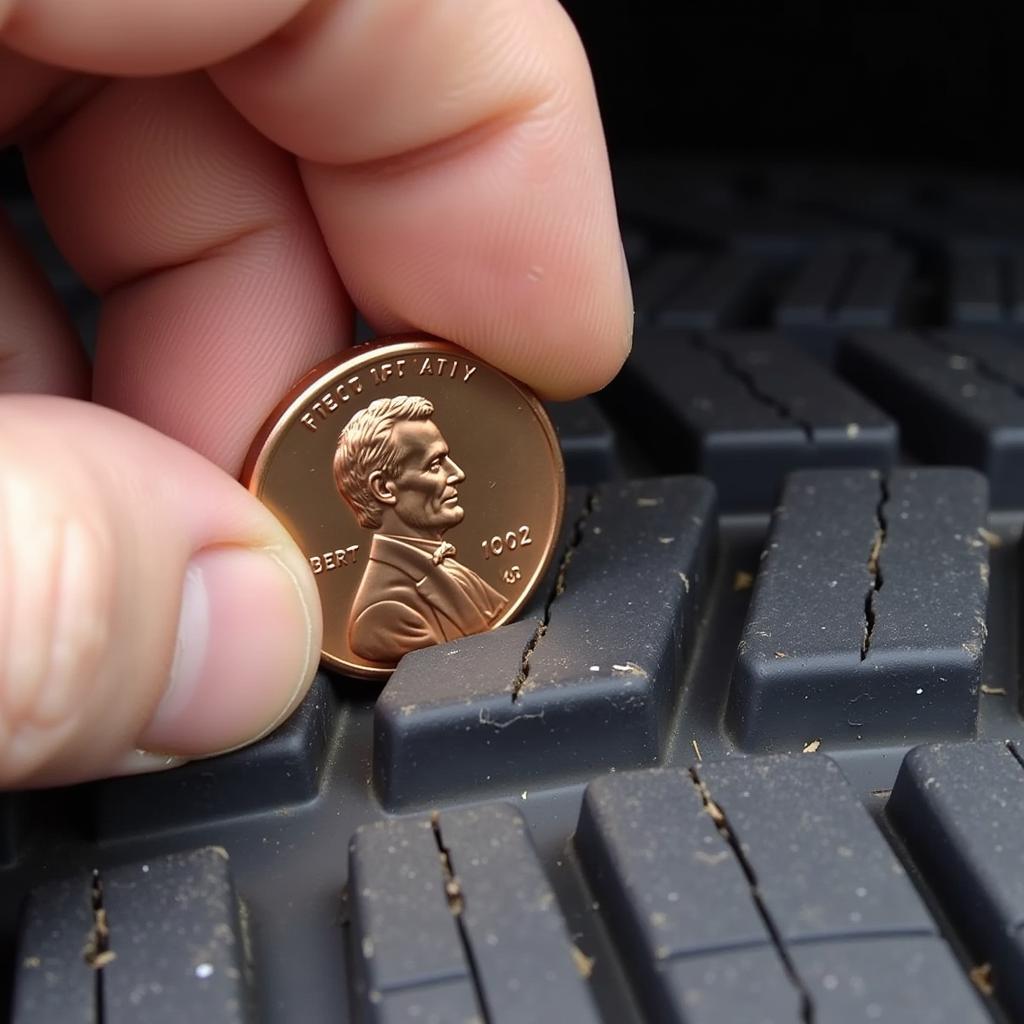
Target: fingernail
<point>246,650</point>
<point>627,285</point>
<point>136,762</point>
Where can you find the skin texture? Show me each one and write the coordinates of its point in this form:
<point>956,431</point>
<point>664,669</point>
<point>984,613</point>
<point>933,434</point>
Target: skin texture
<point>231,178</point>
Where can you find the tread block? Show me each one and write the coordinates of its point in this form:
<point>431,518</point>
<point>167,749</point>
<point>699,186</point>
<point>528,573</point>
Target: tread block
<point>823,291</point>
<point>448,1002</point>
<point>587,440</point>
<point>958,809</point>
<point>888,979</point>
<point>592,689</point>
<point>959,399</point>
<point>178,946</point>
<point>660,869</point>
<point>744,409</point>
<point>281,770</point>
<point>749,888</point>
<point>828,873</point>
<point>678,904</point>
<point>704,211</point>
<point>53,984</point>
<point>405,933</point>
<point>728,987</point>
<point>867,619</point>
<point>458,906</point>
<point>928,209</point>
<point>987,286</point>
<point>838,288</point>
<point>520,942</point>
<point>699,291</point>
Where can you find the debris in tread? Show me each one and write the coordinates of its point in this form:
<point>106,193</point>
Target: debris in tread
<point>981,978</point>
<point>97,952</point>
<point>583,963</point>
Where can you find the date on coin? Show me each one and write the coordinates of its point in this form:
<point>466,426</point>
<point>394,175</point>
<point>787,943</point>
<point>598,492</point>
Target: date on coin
<point>426,489</point>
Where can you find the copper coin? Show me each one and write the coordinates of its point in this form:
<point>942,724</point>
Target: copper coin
<point>425,487</point>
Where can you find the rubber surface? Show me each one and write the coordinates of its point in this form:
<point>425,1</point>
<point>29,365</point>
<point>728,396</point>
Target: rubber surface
<point>791,556</point>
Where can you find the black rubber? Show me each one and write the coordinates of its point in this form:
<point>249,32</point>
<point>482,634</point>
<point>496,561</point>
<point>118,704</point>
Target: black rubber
<point>791,556</point>
<point>774,872</point>
<point>461,902</point>
<point>589,681</point>
<point>867,620</point>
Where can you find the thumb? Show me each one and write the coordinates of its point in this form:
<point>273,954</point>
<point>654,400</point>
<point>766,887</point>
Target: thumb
<point>148,602</point>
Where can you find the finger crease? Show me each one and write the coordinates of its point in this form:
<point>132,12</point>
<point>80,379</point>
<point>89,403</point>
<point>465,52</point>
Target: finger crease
<point>473,137</point>
<point>214,250</point>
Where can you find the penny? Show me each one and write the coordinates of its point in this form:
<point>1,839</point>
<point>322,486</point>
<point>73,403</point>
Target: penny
<point>425,488</point>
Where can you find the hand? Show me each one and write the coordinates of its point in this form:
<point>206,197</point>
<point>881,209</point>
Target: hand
<point>230,178</point>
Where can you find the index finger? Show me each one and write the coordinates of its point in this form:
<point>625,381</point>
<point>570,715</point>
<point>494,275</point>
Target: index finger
<point>454,156</point>
<point>452,153</point>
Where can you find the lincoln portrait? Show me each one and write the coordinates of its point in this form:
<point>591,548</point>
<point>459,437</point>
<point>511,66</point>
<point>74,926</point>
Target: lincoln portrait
<point>394,469</point>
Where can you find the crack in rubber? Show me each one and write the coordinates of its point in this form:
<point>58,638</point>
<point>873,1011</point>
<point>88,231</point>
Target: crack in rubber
<point>97,953</point>
<point>979,364</point>
<point>456,903</point>
<point>557,589</point>
<point>746,377</point>
<point>1014,753</point>
<point>718,816</point>
<point>875,566</point>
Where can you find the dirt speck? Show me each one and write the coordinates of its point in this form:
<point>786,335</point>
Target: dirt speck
<point>711,858</point>
<point>583,963</point>
<point>742,580</point>
<point>630,668</point>
<point>981,976</point>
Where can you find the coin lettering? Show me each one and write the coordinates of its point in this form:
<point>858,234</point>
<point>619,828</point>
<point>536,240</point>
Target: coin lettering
<point>513,539</point>
<point>383,373</point>
<point>442,366</point>
<point>333,559</point>
<point>329,402</point>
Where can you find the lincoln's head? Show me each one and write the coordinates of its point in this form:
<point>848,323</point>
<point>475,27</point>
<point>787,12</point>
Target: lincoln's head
<point>393,468</point>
